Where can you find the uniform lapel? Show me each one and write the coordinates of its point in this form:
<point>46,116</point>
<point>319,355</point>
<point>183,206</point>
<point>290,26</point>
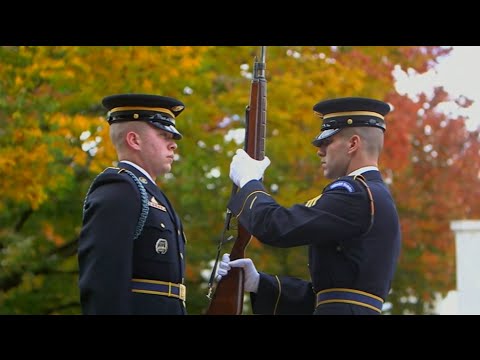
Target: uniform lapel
<point>159,197</point>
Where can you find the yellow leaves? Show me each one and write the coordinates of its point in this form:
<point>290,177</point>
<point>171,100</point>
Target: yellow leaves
<point>30,282</point>
<point>28,184</point>
<point>38,162</point>
<point>148,85</point>
<point>18,81</point>
<point>188,57</point>
<point>23,164</point>
<point>5,162</point>
<point>18,135</point>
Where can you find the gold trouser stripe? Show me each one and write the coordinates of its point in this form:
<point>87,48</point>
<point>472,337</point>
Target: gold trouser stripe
<point>349,302</point>
<point>359,298</point>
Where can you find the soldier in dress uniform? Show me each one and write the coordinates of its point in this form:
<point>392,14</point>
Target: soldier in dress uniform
<point>351,228</point>
<point>131,251</point>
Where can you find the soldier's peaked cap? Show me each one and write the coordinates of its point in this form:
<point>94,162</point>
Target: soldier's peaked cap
<point>160,111</point>
<point>340,113</point>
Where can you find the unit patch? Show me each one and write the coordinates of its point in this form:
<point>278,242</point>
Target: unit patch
<point>342,184</point>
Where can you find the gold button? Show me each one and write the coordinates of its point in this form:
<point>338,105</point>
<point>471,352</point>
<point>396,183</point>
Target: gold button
<point>136,116</point>
<point>349,121</point>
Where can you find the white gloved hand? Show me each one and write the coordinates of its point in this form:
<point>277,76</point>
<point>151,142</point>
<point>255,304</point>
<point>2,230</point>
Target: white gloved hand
<point>243,168</point>
<point>223,266</point>
<point>252,276</point>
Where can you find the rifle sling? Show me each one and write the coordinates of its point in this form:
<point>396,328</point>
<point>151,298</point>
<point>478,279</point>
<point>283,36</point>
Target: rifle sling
<point>226,226</point>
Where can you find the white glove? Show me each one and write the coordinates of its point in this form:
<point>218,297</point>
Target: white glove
<point>243,168</point>
<point>223,266</point>
<point>252,276</point>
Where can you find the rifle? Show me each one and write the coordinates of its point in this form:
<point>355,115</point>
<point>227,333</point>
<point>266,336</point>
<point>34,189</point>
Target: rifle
<point>228,296</point>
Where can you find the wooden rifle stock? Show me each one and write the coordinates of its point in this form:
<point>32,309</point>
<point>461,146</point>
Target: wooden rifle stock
<point>228,296</point>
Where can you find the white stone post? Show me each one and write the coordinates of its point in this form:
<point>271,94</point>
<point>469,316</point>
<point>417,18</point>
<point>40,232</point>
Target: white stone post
<point>467,241</point>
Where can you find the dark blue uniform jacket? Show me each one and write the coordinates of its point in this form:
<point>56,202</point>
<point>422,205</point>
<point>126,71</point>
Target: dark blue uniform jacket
<point>109,257</point>
<point>333,226</point>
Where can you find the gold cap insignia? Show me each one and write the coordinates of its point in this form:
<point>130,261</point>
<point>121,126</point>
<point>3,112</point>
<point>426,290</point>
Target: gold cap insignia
<point>178,108</point>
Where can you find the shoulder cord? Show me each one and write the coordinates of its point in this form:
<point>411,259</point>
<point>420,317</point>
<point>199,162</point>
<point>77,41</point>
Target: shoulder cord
<point>362,180</point>
<point>143,198</point>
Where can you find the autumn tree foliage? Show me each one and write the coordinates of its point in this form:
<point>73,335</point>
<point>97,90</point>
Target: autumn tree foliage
<point>54,141</point>
<point>434,167</point>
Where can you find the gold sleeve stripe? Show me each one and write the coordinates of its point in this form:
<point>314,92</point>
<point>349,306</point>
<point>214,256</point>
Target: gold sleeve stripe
<point>279,293</point>
<point>251,204</point>
<point>243,206</point>
<point>313,201</point>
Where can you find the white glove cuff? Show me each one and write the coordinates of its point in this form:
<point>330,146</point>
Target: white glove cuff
<point>255,284</point>
<point>243,181</point>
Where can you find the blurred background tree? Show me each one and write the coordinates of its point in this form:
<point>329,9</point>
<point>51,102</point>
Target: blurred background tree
<point>54,141</point>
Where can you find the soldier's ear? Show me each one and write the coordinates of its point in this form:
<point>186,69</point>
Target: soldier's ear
<point>354,143</point>
<point>133,140</point>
